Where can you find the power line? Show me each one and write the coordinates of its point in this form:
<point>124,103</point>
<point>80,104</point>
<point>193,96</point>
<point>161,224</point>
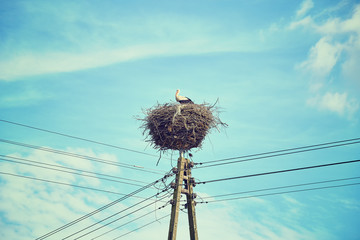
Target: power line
<point>78,138</point>
<point>278,193</point>
<point>115,220</point>
<point>284,150</point>
<point>281,187</point>
<point>64,171</point>
<point>62,183</point>
<point>141,227</point>
<point>75,169</point>
<point>89,158</point>
<point>279,153</point>
<point>146,214</point>
<point>101,208</point>
<point>280,171</point>
<point>131,166</point>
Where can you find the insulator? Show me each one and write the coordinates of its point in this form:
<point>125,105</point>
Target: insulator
<point>172,185</point>
<point>192,181</point>
<point>191,164</point>
<point>194,195</point>
<point>175,170</point>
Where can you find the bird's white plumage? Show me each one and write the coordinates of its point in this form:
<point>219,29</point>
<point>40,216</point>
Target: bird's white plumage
<point>182,99</point>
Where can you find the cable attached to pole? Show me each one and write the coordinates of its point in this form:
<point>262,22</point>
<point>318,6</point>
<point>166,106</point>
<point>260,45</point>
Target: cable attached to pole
<point>279,187</point>
<point>100,209</point>
<point>278,193</point>
<point>78,138</point>
<point>89,158</point>
<point>280,171</point>
<point>115,220</point>
<point>277,153</point>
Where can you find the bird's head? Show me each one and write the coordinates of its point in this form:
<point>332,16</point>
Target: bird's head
<point>177,91</point>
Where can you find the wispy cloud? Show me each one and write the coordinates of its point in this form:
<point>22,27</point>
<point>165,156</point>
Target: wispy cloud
<point>47,207</point>
<point>35,208</point>
<point>26,97</point>
<point>65,42</point>
<point>28,64</point>
<point>322,58</point>
<point>305,7</point>
<point>55,62</point>
<point>339,45</point>
<point>304,22</point>
<point>335,102</point>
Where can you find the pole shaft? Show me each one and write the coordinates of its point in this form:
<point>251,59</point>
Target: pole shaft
<point>176,198</point>
<point>191,203</point>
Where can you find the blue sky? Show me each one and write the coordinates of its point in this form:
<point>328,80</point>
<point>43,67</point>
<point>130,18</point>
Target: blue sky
<point>286,75</point>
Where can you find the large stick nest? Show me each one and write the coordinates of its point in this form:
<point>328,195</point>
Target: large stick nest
<point>179,126</point>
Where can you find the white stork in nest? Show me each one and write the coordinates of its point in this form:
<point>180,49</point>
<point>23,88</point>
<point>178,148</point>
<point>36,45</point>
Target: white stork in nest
<point>182,99</point>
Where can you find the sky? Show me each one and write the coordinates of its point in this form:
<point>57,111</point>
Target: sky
<point>285,74</point>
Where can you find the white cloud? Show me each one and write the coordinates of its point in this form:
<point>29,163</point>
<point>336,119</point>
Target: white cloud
<point>32,207</point>
<point>52,62</point>
<point>332,26</point>
<point>353,24</point>
<point>26,97</point>
<point>305,7</point>
<point>339,26</point>
<point>335,102</point>
<point>305,22</point>
<point>28,64</point>
<point>339,45</point>
<point>322,58</point>
<point>350,67</point>
<point>330,29</point>
<point>96,41</point>
<point>226,221</point>
<point>350,204</point>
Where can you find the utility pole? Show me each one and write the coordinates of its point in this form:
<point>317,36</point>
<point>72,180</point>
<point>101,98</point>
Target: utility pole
<point>190,203</point>
<point>183,175</point>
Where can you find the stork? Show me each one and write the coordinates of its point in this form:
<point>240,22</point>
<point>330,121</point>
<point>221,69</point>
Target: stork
<point>182,99</point>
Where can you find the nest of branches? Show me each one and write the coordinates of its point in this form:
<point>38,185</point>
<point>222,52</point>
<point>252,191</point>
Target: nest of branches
<point>179,126</point>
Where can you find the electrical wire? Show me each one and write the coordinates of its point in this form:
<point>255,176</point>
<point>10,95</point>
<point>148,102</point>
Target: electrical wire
<point>89,158</point>
<point>99,209</point>
<point>69,172</point>
<point>278,193</point>
<point>142,227</point>
<point>217,163</point>
<point>280,171</point>
<point>285,150</point>
<point>277,153</point>
<point>75,169</point>
<point>124,224</point>
<point>78,138</point>
<point>115,220</point>
<point>281,187</point>
<point>64,184</point>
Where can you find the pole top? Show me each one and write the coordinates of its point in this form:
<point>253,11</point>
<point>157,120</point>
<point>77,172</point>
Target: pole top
<point>181,153</point>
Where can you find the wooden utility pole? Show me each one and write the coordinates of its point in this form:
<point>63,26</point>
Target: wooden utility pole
<point>190,203</point>
<point>183,174</point>
<point>176,198</point>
